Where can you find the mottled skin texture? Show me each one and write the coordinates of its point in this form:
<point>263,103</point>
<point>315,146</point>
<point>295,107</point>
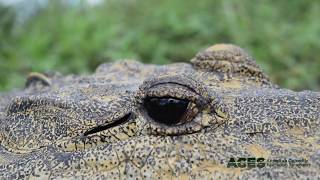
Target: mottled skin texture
<point>48,129</point>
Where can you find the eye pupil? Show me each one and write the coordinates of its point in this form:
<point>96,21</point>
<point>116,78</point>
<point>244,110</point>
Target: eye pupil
<point>167,111</point>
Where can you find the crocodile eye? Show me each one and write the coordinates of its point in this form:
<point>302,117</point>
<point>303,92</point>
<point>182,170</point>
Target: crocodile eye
<point>169,110</point>
<point>177,104</point>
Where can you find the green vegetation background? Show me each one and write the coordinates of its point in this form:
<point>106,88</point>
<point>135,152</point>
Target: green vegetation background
<point>282,35</point>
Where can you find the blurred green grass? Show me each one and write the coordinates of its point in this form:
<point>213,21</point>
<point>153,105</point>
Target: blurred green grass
<point>282,36</point>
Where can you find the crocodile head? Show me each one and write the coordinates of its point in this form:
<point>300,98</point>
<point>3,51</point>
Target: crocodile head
<point>218,116</point>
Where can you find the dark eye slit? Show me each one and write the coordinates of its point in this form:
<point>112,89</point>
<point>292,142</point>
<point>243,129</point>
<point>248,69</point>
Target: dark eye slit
<point>108,126</point>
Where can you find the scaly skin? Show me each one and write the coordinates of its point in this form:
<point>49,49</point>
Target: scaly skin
<point>97,126</point>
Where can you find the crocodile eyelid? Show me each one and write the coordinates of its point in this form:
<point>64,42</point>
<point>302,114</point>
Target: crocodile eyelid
<point>37,77</point>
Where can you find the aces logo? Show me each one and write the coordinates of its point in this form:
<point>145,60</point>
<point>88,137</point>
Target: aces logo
<point>246,162</point>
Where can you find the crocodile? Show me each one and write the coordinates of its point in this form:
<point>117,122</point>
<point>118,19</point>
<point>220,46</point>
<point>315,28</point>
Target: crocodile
<point>217,117</point>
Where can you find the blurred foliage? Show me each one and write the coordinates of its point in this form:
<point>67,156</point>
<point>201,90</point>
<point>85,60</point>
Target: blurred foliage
<point>282,36</point>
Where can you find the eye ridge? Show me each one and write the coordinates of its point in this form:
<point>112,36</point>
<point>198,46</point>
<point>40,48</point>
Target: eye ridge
<point>167,110</point>
<point>180,84</point>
